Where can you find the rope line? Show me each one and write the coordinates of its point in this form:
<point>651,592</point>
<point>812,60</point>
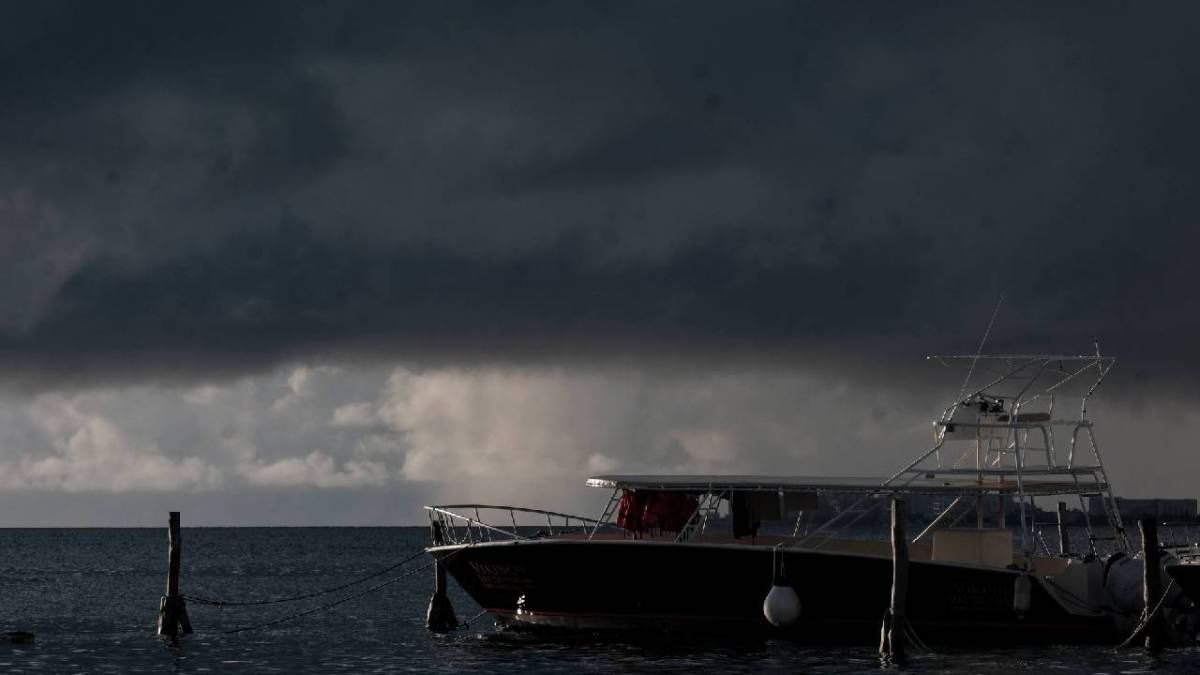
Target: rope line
<point>914,638</point>
<point>1079,602</point>
<point>328,605</point>
<point>979,352</point>
<point>335,603</point>
<point>230,603</point>
<point>468,622</point>
<point>1147,617</point>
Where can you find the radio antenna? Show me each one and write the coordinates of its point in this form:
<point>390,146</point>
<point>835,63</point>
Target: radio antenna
<point>979,352</point>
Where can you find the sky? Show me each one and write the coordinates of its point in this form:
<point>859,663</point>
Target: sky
<point>320,263</point>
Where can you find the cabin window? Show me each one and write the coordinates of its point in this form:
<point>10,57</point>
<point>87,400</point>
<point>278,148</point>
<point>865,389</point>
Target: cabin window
<point>748,509</point>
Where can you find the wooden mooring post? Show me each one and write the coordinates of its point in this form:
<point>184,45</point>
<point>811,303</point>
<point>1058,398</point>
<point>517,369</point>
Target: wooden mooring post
<point>440,617</point>
<point>1064,538</point>
<point>172,612</point>
<point>1151,583</point>
<point>893,638</point>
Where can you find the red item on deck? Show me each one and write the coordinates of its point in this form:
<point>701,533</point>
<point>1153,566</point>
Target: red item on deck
<point>663,510</point>
<point>630,510</point>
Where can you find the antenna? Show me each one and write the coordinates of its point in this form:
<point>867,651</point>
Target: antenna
<point>979,352</point>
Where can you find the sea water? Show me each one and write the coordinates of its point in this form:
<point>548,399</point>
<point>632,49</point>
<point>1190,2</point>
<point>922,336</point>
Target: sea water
<point>91,597</point>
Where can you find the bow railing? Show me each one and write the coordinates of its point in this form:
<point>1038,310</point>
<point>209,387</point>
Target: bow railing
<point>452,524</point>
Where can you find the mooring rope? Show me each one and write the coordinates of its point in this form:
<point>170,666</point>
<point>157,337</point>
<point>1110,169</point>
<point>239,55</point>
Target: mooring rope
<point>1079,602</point>
<point>274,601</point>
<point>909,631</point>
<point>328,605</point>
<point>335,603</point>
<point>1147,617</point>
<point>468,622</point>
<point>914,638</point>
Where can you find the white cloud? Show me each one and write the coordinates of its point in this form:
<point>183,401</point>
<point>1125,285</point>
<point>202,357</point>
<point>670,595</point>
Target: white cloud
<point>316,469</point>
<point>536,433</point>
<point>509,435</point>
<point>600,464</point>
<point>300,385</point>
<point>88,451</point>
<point>354,415</point>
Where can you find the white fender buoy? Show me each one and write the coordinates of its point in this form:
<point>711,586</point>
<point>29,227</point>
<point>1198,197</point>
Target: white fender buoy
<point>781,606</point>
<point>1022,594</point>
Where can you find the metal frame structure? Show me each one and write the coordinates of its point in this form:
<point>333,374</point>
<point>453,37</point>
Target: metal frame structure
<point>1006,428</point>
<point>1002,424</point>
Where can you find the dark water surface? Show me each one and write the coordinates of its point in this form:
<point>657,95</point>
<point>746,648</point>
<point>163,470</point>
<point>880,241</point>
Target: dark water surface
<point>91,596</point>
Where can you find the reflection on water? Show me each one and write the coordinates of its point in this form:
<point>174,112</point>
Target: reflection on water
<point>91,596</point>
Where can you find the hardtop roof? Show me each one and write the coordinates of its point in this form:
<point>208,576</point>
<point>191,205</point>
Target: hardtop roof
<point>1046,484</point>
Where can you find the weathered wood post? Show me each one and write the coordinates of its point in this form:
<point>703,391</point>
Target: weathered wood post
<point>172,612</point>
<point>1151,582</point>
<point>440,618</point>
<point>1064,539</point>
<point>893,638</point>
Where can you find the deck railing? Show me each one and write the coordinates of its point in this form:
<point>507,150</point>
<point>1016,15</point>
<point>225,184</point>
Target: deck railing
<point>1181,538</point>
<point>473,523</point>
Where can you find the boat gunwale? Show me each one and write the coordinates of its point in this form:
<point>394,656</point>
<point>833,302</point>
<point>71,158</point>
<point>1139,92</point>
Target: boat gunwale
<point>455,548</point>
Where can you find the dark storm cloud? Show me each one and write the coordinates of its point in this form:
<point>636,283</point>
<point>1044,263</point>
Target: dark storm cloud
<point>220,187</point>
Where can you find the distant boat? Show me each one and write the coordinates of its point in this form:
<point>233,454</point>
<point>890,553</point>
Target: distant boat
<point>653,561</point>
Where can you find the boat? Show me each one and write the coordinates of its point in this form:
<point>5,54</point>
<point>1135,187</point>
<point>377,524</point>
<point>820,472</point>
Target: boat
<point>805,557</point>
<point>1181,541</point>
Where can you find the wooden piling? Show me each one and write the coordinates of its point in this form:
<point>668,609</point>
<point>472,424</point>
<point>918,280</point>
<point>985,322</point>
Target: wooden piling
<point>1064,538</point>
<point>172,611</point>
<point>893,635</point>
<point>1151,583</point>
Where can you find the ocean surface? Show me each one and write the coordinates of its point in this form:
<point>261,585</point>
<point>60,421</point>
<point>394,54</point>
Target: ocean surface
<point>91,597</point>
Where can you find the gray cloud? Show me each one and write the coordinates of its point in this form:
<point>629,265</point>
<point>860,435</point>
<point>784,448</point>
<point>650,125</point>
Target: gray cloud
<point>225,188</point>
<point>651,233</point>
<point>231,187</point>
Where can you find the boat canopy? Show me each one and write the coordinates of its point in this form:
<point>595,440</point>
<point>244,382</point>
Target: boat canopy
<point>974,482</point>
